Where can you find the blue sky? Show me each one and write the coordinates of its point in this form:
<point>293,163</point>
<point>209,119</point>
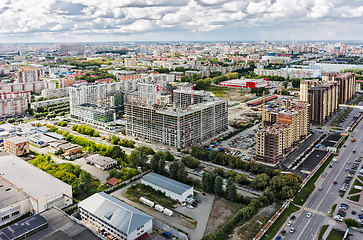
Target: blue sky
<point>179,20</point>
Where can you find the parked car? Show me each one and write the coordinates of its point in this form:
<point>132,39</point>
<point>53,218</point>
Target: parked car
<point>283,232</point>
<point>289,223</point>
<point>308,215</point>
<point>293,217</point>
<point>292,230</point>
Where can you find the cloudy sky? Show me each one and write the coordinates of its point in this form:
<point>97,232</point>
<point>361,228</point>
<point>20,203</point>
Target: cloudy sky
<point>173,20</point>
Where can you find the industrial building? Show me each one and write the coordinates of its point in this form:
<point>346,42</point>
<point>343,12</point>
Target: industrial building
<point>25,188</point>
<point>179,128</point>
<point>17,146</point>
<point>173,189</point>
<point>283,130</point>
<point>101,162</point>
<point>96,104</point>
<point>246,83</point>
<point>115,217</point>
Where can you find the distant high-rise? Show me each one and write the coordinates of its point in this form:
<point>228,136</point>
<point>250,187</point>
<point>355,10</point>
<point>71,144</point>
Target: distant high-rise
<point>72,49</point>
<point>347,84</point>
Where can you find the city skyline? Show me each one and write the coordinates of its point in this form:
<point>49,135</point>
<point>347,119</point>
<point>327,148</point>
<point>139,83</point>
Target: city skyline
<point>183,20</point>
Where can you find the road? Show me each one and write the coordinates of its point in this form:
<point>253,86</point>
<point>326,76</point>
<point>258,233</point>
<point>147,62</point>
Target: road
<point>320,202</point>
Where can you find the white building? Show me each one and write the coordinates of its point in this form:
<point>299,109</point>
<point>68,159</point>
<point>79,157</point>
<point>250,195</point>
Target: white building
<point>101,162</point>
<point>116,217</point>
<point>14,103</point>
<point>173,189</point>
<point>25,188</point>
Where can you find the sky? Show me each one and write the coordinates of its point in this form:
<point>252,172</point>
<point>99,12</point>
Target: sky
<point>179,20</point>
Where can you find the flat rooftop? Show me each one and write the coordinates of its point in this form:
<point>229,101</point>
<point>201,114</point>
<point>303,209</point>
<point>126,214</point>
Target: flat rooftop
<point>34,182</point>
<point>17,140</point>
<point>166,183</point>
<point>9,194</point>
<point>61,226</point>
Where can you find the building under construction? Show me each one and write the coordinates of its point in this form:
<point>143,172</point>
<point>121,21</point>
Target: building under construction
<point>180,125</point>
<point>284,129</point>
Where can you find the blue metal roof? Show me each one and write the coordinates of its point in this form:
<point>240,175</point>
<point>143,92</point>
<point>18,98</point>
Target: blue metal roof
<point>166,183</point>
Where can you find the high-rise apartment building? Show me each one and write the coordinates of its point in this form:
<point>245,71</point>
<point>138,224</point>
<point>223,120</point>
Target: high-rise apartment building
<point>14,103</point>
<point>283,130</point>
<point>72,49</point>
<point>28,74</point>
<point>323,100</point>
<point>96,104</point>
<point>346,82</point>
<point>176,127</point>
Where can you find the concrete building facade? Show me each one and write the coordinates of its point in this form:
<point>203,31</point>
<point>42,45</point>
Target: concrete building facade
<point>28,74</point>
<point>282,131</point>
<point>346,83</point>
<point>14,104</point>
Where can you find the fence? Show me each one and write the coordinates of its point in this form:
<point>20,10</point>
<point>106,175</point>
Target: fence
<point>171,230</point>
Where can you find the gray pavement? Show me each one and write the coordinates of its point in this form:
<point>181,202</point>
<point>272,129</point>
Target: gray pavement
<point>320,202</point>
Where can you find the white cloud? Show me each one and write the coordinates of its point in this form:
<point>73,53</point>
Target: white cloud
<point>114,17</point>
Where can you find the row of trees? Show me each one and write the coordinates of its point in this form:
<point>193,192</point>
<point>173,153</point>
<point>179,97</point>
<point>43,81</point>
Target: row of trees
<point>122,142</point>
<point>67,172</point>
<point>223,159</point>
<point>190,162</point>
<point>239,178</point>
<point>86,130</point>
<point>124,174</point>
<point>212,183</point>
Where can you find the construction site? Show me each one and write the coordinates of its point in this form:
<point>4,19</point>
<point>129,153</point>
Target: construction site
<point>187,120</point>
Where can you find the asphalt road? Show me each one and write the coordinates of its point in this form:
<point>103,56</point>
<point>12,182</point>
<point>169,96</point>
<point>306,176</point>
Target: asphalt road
<point>320,202</point>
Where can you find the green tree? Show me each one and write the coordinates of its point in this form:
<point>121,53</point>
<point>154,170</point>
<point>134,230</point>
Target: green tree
<point>168,157</point>
<point>218,186</point>
<point>190,162</point>
<point>174,169</point>
<point>208,180</point>
<point>285,84</point>
<point>231,190</point>
<point>241,179</point>
<point>161,166</point>
<point>351,222</point>
<point>154,162</point>
<point>82,185</point>
<point>261,181</point>
<point>295,82</point>
<point>136,159</point>
<point>182,173</point>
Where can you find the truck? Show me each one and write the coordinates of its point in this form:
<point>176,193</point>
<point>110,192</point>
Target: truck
<point>159,208</point>
<point>168,212</point>
<point>146,202</point>
<point>353,139</point>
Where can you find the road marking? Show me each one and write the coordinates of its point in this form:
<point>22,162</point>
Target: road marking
<point>316,212</point>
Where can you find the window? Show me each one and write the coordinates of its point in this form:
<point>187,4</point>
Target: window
<point>5,218</point>
<point>15,213</point>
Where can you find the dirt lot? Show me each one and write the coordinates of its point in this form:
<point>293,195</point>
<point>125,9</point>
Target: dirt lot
<point>222,210</point>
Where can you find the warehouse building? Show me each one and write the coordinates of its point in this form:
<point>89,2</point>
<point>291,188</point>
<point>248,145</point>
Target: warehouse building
<point>100,162</point>
<point>115,217</point>
<point>173,189</point>
<point>25,188</point>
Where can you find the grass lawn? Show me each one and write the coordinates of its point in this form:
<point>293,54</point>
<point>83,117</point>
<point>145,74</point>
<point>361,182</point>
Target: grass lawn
<point>353,190</point>
<point>309,187</point>
<point>357,182</point>
<point>271,232</point>
<point>250,229</point>
<point>361,178</point>
<point>335,235</point>
<point>34,145</point>
<point>219,91</point>
<point>322,231</point>
<point>139,190</point>
<point>354,198</point>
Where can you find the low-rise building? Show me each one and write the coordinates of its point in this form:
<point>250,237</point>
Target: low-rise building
<point>173,189</point>
<point>16,145</point>
<point>25,188</point>
<point>115,217</point>
<point>100,162</point>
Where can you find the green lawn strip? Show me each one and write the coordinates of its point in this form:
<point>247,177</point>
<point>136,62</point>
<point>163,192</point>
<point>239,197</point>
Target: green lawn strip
<point>322,231</point>
<point>271,232</point>
<point>358,183</point>
<point>335,235</point>
<point>309,187</point>
<point>353,190</point>
<point>332,210</point>
<point>361,178</point>
<point>354,198</point>
<point>34,145</point>
<point>341,144</point>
